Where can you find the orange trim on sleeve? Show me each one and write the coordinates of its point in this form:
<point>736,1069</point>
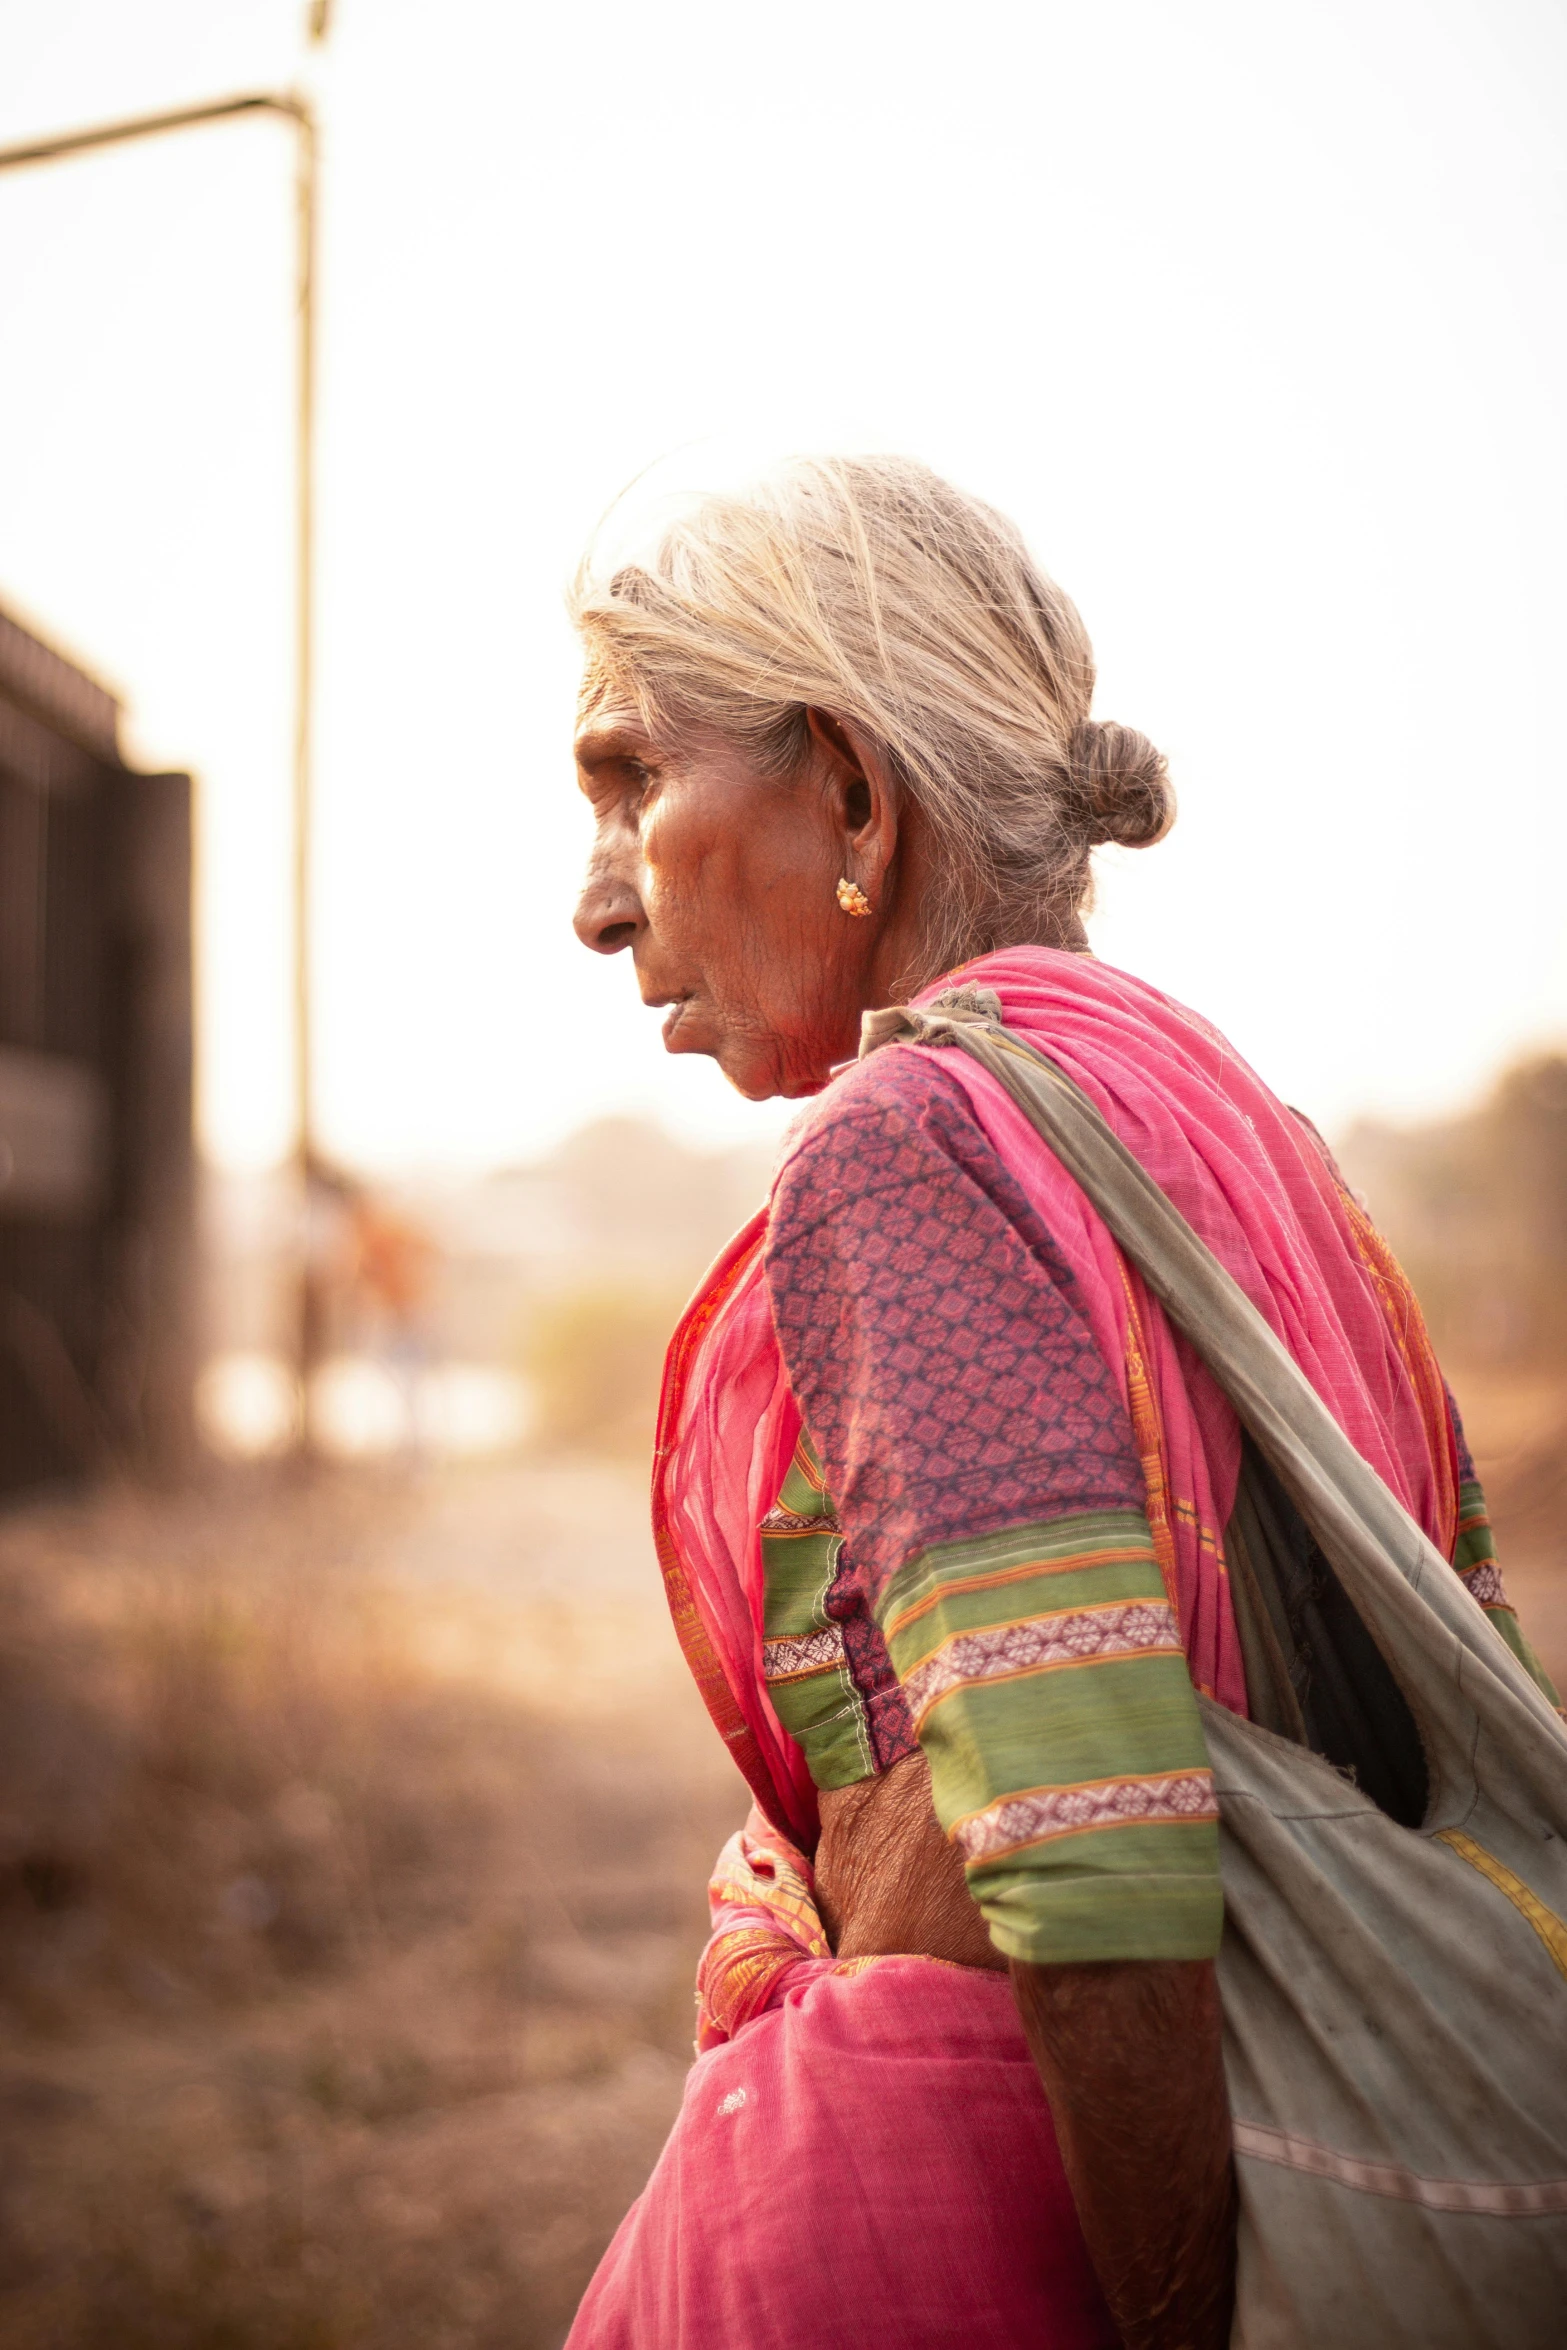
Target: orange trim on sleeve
<point>1148,1436</point>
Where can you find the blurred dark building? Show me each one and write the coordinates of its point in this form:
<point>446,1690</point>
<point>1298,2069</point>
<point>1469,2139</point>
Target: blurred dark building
<point>97,1334</point>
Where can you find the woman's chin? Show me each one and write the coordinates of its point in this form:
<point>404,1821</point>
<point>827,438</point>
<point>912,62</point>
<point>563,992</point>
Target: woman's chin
<point>775,1082</point>
<point>749,1072</point>
<point>758,1066</point>
<point>756,1082</point>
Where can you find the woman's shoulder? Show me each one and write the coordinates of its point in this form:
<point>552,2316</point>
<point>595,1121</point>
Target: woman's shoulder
<point>900,1093</point>
<point>892,1136</point>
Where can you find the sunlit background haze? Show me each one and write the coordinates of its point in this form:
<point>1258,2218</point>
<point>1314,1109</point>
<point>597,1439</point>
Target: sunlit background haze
<point>358,1804</point>
<point>1251,316</point>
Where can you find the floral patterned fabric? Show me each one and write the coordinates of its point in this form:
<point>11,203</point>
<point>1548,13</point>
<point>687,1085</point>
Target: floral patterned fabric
<point>1000,1600</point>
<point>931,1329</point>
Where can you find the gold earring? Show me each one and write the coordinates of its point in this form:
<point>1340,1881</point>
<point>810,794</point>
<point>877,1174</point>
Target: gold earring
<point>852,898</point>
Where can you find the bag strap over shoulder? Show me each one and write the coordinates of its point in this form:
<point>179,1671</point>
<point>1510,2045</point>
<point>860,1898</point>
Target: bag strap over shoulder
<point>1389,1567</point>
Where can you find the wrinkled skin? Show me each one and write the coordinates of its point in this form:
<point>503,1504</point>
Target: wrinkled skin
<point>721,882</point>
<point>1129,2052</point>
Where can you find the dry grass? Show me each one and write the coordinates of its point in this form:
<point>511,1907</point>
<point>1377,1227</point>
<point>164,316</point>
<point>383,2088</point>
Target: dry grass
<point>352,1845</point>
<point>345,1988</point>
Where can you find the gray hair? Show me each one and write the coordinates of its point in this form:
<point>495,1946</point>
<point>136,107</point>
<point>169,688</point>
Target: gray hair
<point>870,588</point>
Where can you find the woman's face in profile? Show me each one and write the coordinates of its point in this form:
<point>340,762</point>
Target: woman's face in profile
<point>722,882</point>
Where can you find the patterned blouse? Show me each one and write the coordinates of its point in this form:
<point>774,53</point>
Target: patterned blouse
<point>960,1556</point>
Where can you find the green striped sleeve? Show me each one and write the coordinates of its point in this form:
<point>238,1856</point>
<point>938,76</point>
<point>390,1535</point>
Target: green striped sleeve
<point>803,1658</point>
<point>1044,1670</point>
<point>1474,1556</point>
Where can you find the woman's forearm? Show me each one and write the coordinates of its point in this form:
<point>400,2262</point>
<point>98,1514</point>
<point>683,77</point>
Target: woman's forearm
<point>1130,2056</point>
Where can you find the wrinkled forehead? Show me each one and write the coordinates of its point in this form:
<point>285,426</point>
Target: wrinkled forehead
<point>616,706</point>
<point>613,688</point>
<point>603,686</point>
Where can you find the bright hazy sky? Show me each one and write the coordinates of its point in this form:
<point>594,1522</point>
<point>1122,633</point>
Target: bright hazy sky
<point>1251,313</point>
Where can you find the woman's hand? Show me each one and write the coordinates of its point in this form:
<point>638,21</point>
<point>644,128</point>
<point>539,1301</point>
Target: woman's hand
<point>1129,2052</point>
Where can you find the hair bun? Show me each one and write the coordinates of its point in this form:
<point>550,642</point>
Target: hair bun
<point>1125,784</point>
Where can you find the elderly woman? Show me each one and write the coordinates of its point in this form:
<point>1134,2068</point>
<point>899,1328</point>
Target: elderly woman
<point>952,1523</point>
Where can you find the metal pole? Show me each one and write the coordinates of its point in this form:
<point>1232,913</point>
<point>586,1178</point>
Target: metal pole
<point>295,109</point>
<point>309,1331</point>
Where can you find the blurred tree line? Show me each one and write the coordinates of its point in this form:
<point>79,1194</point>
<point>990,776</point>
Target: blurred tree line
<point>629,1216</point>
<point>1476,1209</point>
<point>593,1358</point>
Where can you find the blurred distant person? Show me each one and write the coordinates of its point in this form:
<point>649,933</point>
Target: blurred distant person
<point>330,1256</point>
<point>953,1521</point>
<point>391,1260</point>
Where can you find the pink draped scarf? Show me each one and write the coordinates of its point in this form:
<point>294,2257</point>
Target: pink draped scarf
<point>864,2158</point>
<point>1255,1183</point>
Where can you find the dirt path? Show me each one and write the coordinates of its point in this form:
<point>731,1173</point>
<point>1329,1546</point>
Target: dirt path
<point>353,1873</point>
<point>353,1839</point>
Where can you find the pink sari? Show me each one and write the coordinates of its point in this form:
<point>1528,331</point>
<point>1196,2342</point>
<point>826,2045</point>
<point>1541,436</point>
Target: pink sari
<point>1253,1181</point>
<point>864,2155</point>
<point>864,2158</point>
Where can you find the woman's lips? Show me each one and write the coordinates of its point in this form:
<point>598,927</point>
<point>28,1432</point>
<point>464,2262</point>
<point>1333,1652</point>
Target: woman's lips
<point>676,1013</point>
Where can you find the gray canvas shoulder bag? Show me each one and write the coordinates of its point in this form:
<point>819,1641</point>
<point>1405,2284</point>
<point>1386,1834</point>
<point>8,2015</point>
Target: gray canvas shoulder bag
<point>1395,1997</point>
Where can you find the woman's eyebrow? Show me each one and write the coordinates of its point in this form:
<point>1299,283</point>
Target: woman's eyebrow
<point>597,742</point>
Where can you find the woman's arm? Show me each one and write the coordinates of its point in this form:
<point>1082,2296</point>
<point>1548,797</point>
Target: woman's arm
<point>987,1478</point>
<point>1129,2052</point>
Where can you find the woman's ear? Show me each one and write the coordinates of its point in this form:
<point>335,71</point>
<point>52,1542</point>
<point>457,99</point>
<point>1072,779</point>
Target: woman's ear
<point>865,795</point>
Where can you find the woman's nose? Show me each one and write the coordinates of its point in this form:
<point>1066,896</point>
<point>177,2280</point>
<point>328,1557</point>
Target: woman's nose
<point>609,914</point>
